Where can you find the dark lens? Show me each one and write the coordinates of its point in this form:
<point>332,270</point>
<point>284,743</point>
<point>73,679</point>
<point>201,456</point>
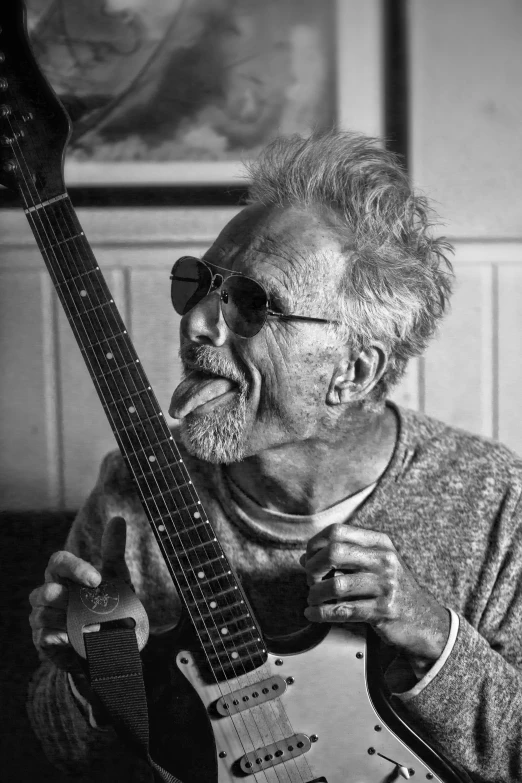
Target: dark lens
<point>245,308</point>
<point>190,282</point>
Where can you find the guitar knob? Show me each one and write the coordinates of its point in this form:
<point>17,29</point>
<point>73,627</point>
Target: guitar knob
<point>10,167</point>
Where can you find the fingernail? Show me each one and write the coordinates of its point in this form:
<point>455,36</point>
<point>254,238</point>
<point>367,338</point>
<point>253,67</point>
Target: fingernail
<point>94,580</point>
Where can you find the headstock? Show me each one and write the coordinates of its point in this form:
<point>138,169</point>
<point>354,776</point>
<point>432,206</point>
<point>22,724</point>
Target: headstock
<point>34,127</point>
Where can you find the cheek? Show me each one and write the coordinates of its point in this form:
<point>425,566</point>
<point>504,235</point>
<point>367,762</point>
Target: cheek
<point>291,375</point>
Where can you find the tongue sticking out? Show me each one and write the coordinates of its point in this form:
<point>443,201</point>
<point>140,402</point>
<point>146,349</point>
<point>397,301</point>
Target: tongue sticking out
<point>195,390</point>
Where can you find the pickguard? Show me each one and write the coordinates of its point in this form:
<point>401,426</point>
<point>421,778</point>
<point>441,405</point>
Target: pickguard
<point>326,699</point>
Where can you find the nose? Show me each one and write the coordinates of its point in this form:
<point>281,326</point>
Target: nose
<point>204,324</point>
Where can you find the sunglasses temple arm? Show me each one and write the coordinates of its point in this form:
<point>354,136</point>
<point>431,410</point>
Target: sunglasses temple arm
<point>301,318</point>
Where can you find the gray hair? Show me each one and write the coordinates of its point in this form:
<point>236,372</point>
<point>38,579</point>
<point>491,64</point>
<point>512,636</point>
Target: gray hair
<point>397,283</point>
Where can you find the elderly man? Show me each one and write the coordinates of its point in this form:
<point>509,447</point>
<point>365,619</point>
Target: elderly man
<point>332,504</point>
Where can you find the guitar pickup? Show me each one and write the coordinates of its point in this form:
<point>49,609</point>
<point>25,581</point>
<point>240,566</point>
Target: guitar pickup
<point>274,754</point>
<point>251,696</point>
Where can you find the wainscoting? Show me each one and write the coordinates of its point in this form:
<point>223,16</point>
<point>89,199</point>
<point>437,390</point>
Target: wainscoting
<point>52,427</point>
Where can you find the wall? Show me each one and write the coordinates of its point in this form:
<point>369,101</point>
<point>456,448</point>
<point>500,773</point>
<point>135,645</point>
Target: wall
<point>466,68</point>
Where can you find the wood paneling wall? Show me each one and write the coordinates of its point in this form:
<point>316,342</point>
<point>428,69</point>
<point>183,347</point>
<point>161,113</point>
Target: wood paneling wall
<point>465,118</point>
<point>52,427</point>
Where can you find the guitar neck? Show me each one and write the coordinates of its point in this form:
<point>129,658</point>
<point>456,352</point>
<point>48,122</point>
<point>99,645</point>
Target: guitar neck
<point>195,559</point>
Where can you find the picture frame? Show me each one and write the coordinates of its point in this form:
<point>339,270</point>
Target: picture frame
<point>316,66</point>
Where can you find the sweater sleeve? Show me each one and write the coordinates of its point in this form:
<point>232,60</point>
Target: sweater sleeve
<point>60,721</point>
<point>472,709</point>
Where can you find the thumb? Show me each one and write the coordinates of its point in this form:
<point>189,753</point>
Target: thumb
<point>113,550</point>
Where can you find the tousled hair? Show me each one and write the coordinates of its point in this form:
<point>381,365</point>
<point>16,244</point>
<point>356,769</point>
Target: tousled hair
<point>397,281</point>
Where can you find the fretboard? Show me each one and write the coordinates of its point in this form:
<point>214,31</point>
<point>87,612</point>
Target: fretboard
<point>204,578</point>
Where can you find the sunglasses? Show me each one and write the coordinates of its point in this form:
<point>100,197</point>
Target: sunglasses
<point>244,302</point>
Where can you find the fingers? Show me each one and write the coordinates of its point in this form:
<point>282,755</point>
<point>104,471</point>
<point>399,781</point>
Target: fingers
<point>344,557</point>
<point>341,533</point>
<point>362,611</point>
<point>345,586</point>
<point>64,565</point>
<point>113,550</point>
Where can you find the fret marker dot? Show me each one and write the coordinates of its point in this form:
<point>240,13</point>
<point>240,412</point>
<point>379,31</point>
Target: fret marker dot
<point>109,355</point>
<point>161,528</point>
<point>224,631</point>
<point>152,459</point>
<point>213,604</point>
<point>83,293</point>
<point>197,515</point>
<point>201,574</point>
<point>235,655</point>
<point>132,409</point>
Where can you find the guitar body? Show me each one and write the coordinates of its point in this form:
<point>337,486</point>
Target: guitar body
<point>302,713</point>
<point>328,697</point>
<point>326,705</point>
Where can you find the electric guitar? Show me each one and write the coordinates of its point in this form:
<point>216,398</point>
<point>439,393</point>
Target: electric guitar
<point>283,714</point>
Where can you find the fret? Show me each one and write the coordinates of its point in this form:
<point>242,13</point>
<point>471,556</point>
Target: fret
<point>122,383</point>
<point>256,644</point>
<point>90,326</point>
<point>164,481</point>
<point>202,593</point>
<point>61,242</point>
<point>136,434</point>
<point>204,581</point>
<point>81,276</point>
<point>230,638</point>
<point>111,337</point>
<point>197,567</point>
<point>219,618</point>
<point>183,494</point>
<point>178,539</point>
<point>202,554</point>
<point>99,306</point>
<point>189,550</point>
<point>221,609</point>
<point>166,504</point>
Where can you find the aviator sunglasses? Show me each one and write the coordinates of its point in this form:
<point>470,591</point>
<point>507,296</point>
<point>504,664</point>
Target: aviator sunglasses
<point>244,302</point>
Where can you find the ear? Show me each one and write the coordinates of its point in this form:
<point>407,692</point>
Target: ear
<point>354,377</point>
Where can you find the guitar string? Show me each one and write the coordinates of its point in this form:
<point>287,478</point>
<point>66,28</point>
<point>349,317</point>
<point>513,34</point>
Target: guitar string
<point>36,213</point>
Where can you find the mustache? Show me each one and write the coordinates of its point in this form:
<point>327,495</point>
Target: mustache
<point>207,359</point>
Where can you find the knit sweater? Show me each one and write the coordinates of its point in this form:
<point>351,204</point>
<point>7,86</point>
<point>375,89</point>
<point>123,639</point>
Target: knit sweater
<point>449,501</point>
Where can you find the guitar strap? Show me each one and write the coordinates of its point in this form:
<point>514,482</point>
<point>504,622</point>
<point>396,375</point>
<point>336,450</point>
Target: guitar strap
<point>113,661</point>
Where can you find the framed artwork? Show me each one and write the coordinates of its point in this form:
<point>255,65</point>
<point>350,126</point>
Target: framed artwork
<point>178,92</point>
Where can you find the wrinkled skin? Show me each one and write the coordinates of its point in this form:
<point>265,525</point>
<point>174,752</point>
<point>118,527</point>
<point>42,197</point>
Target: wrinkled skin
<point>369,583</point>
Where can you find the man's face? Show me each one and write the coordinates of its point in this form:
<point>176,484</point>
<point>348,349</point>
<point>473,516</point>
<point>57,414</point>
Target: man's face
<point>269,390</point>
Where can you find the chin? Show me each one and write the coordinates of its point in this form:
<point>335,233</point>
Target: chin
<point>218,438</point>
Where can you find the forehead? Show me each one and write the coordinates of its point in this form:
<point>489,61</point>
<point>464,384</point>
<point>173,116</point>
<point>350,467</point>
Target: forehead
<point>290,245</point>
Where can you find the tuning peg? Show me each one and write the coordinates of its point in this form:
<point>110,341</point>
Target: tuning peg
<point>3,83</point>
<point>5,110</point>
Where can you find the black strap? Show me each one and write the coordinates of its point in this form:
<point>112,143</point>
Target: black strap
<point>116,676</point>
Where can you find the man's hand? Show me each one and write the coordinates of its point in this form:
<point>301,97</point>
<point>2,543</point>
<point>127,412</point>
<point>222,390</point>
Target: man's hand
<point>49,601</point>
<point>375,587</point>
